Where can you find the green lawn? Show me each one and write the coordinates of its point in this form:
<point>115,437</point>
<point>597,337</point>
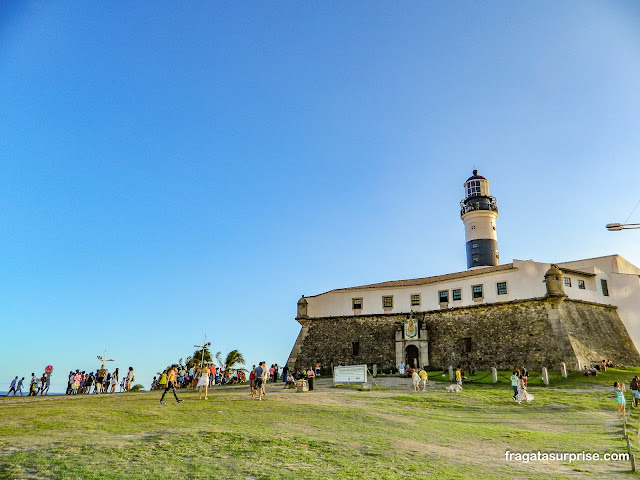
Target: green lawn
<point>388,433</point>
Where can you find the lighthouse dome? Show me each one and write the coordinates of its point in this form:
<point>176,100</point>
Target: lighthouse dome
<point>475,176</point>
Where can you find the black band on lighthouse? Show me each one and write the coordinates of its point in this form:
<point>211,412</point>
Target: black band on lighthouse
<point>482,253</point>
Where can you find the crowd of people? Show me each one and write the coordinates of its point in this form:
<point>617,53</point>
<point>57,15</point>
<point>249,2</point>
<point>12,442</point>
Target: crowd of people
<point>260,375</point>
<point>100,381</point>
<point>597,367</point>
<point>207,375</point>
<point>37,385</point>
<point>190,377</point>
<point>196,376</point>
<point>103,381</point>
<point>419,377</point>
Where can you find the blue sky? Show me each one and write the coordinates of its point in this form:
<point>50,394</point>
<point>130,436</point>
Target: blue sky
<point>168,170</point>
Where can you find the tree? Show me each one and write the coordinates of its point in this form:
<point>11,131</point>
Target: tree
<point>233,358</point>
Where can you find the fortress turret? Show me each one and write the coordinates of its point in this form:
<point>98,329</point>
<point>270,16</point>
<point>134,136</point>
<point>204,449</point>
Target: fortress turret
<point>479,212</point>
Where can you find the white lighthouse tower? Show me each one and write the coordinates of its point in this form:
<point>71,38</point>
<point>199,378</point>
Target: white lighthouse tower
<point>479,212</point>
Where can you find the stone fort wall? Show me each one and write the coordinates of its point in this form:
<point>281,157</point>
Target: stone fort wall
<point>536,333</point>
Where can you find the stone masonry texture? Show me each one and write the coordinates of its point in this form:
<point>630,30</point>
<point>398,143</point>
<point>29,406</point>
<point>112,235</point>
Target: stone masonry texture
<point>536,333</point>
<point>329,341</point>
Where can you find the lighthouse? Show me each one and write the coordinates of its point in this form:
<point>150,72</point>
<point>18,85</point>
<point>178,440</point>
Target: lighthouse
<point>479,212</point>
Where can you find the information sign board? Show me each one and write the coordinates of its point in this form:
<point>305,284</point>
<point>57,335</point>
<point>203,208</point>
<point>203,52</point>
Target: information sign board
<point>350,374</point>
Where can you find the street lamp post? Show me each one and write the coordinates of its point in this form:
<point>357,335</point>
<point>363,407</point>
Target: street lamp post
<point>203,346</point>
<point>614,227</point>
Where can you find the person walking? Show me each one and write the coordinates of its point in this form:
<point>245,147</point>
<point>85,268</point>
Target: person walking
<point>212,375</point>
<point>114,380</point>
<point>12,387</point>
<point>522,390</point>
<point>285,372</point>
<point>415,380</point>
<point>252,381</point>
<point>46,383</point>
<point>265,377</point>
<point>259,379</point>
<point>32,384</point>
<point>19,387</point>
<point>424,377</point>
<point>131,378</point>
<point>310,375</point>
<point>102,375</point>
<point>70,382</point>
<point>38,386</point>
<point>171,380</point>
<point>459,377</point>
<point>77,383</point>
<point>203,381</point>
<point>635,390</point>
<point>515,380</point>
<point>163,380</point>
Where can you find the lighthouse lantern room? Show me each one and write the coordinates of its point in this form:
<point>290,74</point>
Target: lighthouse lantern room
<point>479,212</point>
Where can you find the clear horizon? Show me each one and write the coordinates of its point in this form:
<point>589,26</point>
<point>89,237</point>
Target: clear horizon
<point>175,170</point>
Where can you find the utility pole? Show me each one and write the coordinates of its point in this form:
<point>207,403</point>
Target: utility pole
<point>103,358</point>
<point>204,345</point>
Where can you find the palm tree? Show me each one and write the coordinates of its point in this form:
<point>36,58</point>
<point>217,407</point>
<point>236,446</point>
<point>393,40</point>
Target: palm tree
<point>233,358</point>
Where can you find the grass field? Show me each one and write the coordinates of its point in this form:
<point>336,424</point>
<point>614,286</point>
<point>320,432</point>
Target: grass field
<point>388,433</point>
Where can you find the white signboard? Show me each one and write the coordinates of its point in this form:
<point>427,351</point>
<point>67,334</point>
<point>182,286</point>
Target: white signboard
<point>350,374</point>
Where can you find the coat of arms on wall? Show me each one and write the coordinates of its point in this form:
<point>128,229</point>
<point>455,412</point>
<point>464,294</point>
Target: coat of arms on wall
<point>410,328</point>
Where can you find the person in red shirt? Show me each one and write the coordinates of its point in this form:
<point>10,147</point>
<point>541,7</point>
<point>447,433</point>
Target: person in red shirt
<point>252,382</point>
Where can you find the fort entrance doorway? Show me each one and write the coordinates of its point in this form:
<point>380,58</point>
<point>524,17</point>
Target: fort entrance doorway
<point>412,356</point>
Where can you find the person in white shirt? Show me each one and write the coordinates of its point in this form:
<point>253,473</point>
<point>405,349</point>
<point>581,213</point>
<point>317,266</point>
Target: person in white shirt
<point>12,388</point>
<point>130,378</point>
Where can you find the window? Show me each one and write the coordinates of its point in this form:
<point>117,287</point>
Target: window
<point>473,187</point>
<point>415,300</point>
<point>502,288</point>
<point>581,284</point>
<point>387,302</point>
<point>355,348</point>
<point>567,282</point>
<point>605,288</point>
<point>444,296</point>
<point>475,258</point>
<point>477,291</point>
<point>357,303</point>
<point>474,245</point>
<point>466,344</point>
<point>456,294</point>
<point>473,227</point>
